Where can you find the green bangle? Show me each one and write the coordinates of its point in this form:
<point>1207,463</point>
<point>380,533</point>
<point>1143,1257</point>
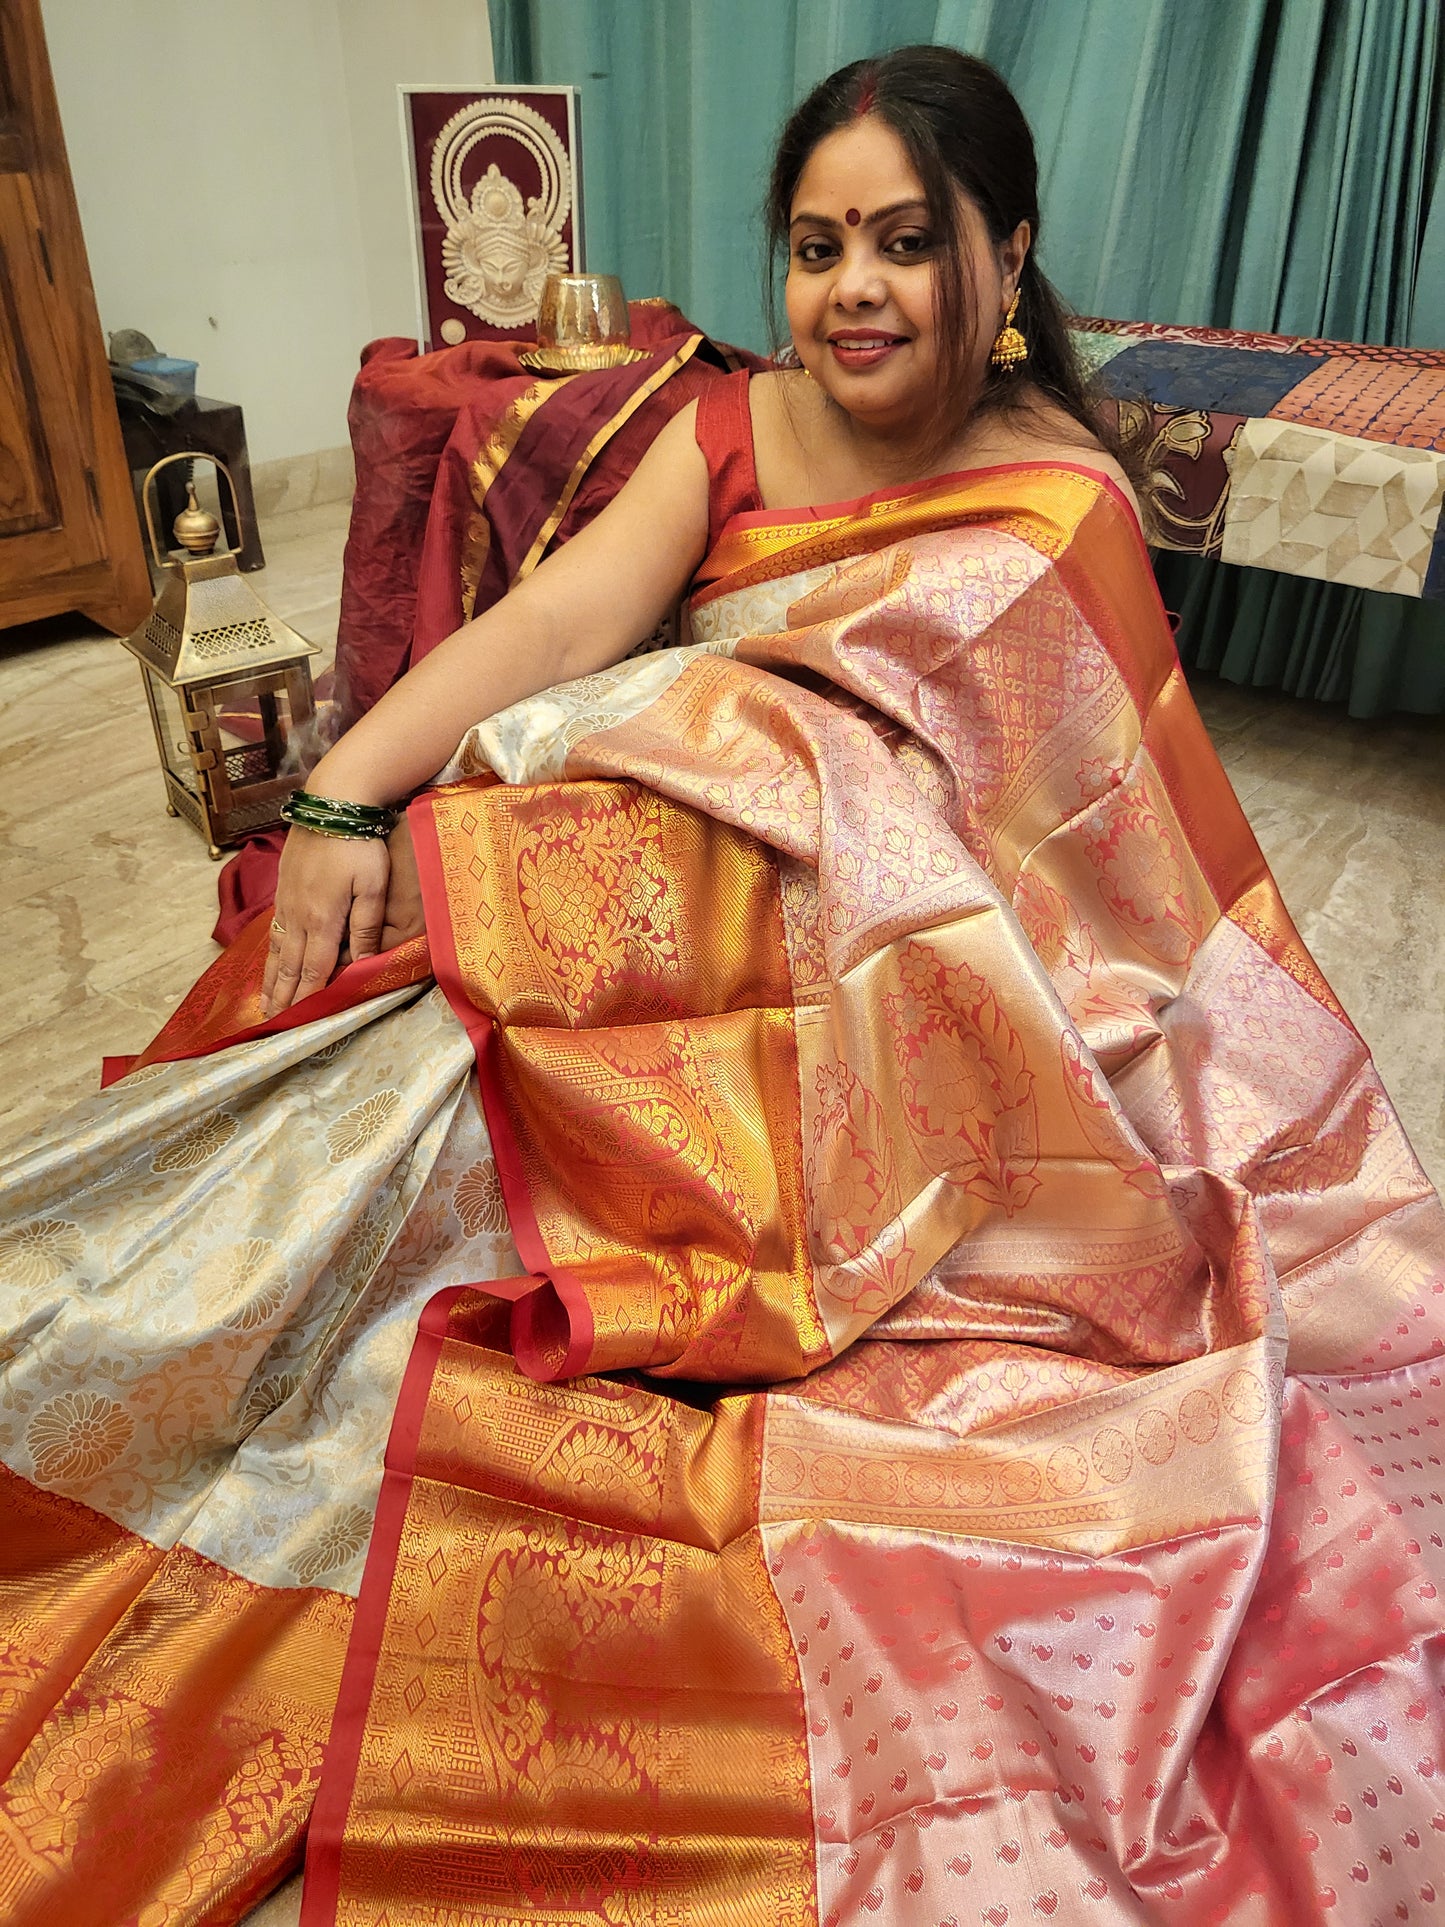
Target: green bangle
<point>333,816</point>
<point>338,806</point>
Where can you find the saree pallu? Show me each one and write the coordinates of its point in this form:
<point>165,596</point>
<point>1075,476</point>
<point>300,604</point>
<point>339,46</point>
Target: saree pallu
<point>883,1005</point>
<point>925,1400</point>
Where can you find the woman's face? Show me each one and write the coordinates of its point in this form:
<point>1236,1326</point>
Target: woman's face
<point>861,270</point>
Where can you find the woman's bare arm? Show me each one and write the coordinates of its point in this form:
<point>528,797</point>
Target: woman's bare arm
<point>581,610</point>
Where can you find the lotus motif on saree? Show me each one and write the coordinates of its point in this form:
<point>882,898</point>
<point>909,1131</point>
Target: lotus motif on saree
<point>961,1431</point>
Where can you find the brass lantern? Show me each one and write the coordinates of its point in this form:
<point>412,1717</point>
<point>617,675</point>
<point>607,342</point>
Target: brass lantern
<point>228,683</point>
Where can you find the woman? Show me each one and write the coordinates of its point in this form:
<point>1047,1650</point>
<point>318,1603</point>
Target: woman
<point>882,994</point>
<point>889,392</point>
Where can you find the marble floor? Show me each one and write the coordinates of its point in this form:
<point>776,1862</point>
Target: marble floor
<point>108,901</point>
<point>1351,817</point>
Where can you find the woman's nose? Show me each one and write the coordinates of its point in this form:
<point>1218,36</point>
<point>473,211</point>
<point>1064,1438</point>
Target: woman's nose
<point>858,282</point>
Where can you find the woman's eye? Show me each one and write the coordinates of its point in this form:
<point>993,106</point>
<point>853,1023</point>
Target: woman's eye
<point>813,253</point>
<point>908,245</point>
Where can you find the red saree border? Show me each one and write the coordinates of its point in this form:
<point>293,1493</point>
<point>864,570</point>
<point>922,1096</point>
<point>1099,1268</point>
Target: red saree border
<point>552,1325</point>
<point>829,511</point>
<point>234,979</point>
<point>321,1890</point>
<point>764,1768</point>
<point>828,524</point>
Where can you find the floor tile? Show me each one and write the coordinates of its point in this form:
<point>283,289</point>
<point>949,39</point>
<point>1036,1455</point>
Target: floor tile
<point>110,901</point>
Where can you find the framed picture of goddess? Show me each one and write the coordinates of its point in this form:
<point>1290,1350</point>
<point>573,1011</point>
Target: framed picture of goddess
<point>495,180</point>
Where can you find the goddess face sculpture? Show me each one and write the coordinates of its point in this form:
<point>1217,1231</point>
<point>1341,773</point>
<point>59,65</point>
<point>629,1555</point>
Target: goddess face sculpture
<point>497,256</point>
<point>497,252</point>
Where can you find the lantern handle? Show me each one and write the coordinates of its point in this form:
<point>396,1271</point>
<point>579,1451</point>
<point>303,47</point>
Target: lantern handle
<point>186,455</point>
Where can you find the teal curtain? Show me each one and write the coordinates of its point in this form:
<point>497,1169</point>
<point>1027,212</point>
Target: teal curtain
<point>1257,164</point>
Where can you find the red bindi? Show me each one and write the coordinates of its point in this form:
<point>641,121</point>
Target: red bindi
<point>852,217</point>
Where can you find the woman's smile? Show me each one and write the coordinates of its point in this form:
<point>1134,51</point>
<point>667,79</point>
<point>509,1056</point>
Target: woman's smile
<point>862,348</point>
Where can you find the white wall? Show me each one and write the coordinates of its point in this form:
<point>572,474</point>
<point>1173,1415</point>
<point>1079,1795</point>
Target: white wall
<point>386,43</point>
<point>238,169</point>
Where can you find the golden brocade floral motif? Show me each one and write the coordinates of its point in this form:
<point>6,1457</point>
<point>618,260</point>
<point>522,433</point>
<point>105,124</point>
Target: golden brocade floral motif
<point>478,1200</point>
<point>585,914</point>
<point>336,1542</point>
<point>359,1127</point>
<point>258,1298</point>
<point>196,1145</point>
<point>264,1397</point>
<point>855,1178</point>
<point>966,1080</point>
<point>77,1435</point>
<point>360,1250</point>
<point>1144,873</point>
<point>35,1253</point>
<point>91,1743</point>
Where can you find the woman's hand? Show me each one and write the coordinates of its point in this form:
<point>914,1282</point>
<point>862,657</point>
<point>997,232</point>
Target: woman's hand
<point>331,890</point>
<point>403,916</point>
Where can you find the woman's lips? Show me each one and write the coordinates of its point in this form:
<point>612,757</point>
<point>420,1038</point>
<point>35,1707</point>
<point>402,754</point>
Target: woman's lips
<point>863,351</point>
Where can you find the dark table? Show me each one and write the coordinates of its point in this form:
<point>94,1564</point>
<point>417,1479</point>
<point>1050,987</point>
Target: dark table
<point>204,427</point>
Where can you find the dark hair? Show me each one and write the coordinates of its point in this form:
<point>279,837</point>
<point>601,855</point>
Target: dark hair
<point>961,128</point>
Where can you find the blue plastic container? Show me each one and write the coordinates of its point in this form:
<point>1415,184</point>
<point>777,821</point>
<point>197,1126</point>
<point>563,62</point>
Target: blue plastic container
<point>177,374</point>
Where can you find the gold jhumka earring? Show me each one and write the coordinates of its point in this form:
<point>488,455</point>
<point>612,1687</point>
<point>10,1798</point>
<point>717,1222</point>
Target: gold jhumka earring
<point>1009,348</point>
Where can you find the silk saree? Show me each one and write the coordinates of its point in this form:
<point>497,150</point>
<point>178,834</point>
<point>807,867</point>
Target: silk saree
<point>870,1348</point>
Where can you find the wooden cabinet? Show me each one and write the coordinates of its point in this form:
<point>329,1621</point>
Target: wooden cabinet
<point>68,532</point>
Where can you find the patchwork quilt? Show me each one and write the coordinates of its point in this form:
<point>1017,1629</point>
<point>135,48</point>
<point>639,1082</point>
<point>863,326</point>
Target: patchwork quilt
<point>1314,458</point>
